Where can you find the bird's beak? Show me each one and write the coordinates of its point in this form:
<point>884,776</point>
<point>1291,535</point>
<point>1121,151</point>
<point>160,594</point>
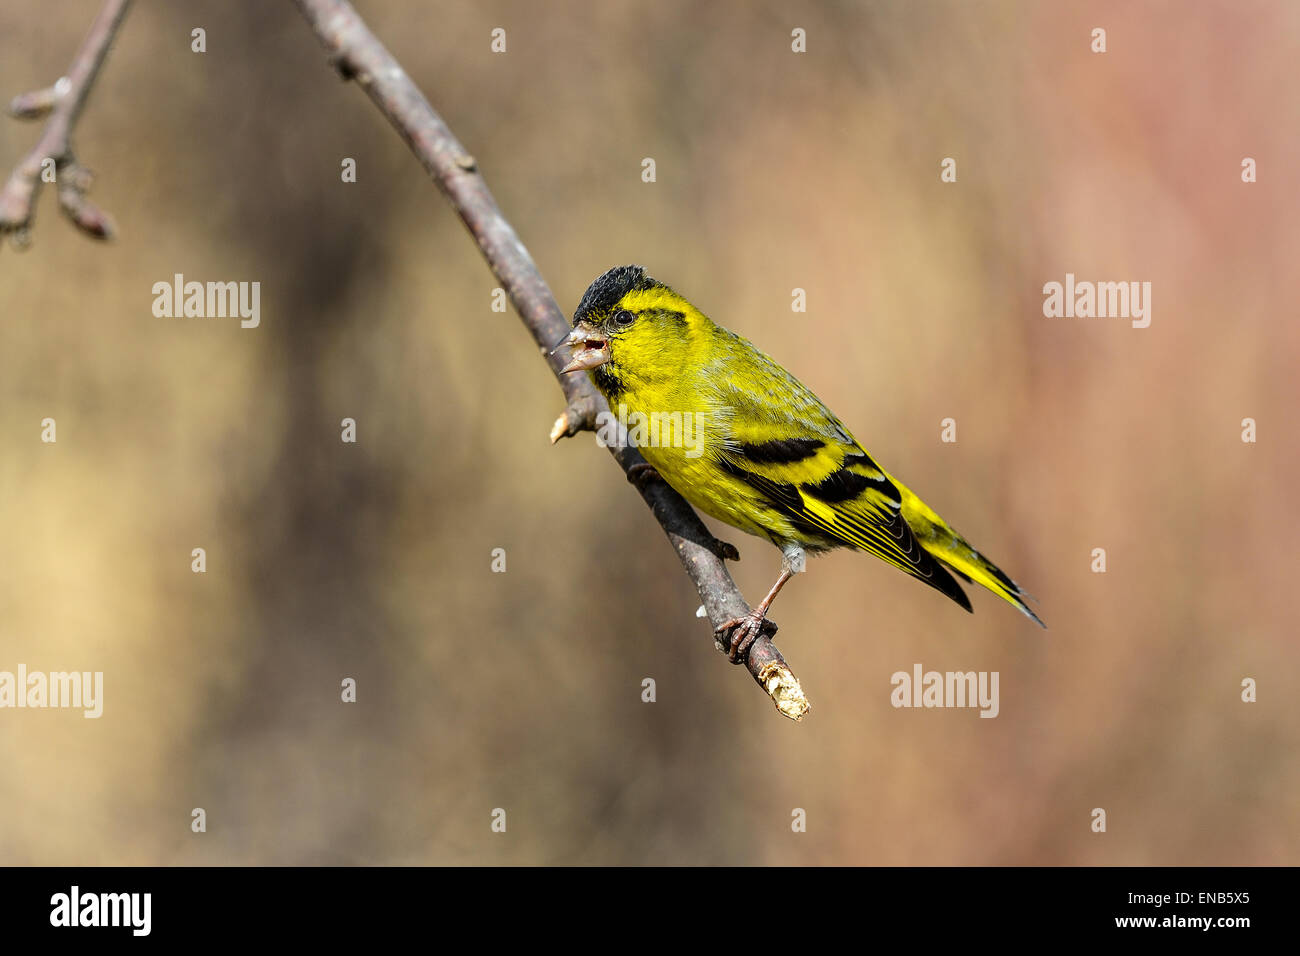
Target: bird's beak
<point>590,348</point>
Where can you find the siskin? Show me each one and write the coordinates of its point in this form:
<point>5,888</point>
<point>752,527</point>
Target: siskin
<point>771,459</point>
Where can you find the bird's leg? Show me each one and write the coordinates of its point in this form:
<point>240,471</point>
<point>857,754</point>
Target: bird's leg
<point>744,631</point>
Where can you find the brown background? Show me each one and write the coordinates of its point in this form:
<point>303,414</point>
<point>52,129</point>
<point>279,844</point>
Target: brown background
<point>522,690</point>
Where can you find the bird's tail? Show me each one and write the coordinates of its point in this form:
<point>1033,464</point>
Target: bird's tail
<point>956,553</point>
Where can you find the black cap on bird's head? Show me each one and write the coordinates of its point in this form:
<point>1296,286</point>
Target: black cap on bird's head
<point>589,339</point>
<point>608,290</point>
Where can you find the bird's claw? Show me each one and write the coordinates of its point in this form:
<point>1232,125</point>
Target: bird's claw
<point>741,633</point>
<point>641,473</point>
<point>725,550</point>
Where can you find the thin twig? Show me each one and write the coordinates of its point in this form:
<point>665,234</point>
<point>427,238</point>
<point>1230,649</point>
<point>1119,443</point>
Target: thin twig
<point>63,102</point>
<point>357,54</point>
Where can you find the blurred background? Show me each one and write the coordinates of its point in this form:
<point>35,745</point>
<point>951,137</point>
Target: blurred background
<point>522,690</point>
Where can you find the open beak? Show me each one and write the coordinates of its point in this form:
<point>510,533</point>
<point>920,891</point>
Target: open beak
<point>590,348</point>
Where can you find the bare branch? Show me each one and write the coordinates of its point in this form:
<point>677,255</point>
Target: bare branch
<point>62,102</point>
<point>357,54</point>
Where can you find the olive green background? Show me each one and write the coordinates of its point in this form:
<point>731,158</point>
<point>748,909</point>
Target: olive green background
<point>523,690</point>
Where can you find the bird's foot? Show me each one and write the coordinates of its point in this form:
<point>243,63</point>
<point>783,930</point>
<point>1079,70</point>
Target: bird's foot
<point>725,550</point>
<point>641,473</point>
<point>740,634</point>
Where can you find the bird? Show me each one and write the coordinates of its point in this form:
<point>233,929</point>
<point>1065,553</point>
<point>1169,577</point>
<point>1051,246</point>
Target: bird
<point>764,454</point>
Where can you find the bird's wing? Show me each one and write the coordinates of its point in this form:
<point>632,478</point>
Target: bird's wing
<point>783,442</point>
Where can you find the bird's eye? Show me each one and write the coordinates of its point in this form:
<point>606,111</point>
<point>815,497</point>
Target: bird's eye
<point>624,317</point>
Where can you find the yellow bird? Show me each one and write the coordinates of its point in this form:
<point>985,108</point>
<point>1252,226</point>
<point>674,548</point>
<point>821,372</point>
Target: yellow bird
<point>745,441</point>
